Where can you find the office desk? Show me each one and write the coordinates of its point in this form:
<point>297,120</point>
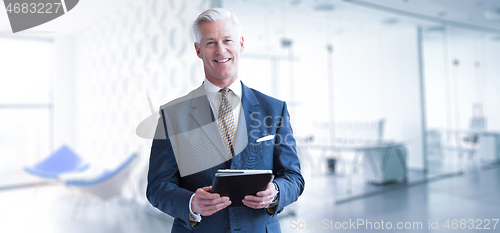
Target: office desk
<point>487,146</point>
<point>385,161</point>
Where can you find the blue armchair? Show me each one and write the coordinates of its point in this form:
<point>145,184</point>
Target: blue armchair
<point>63,160</point>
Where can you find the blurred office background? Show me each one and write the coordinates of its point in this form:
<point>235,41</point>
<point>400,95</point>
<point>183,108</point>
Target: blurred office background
<point>385,96</point>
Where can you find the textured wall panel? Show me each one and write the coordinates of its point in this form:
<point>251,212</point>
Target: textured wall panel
<point>144,48</point>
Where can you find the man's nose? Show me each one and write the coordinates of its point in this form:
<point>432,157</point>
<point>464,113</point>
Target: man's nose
<point>220,48</point>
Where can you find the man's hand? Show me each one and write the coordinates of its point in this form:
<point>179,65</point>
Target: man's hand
<point>263,198</point>
<point>206,203</point>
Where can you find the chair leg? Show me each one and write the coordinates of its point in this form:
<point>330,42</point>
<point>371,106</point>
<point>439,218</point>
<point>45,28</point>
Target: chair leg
<point>34,194</point>
<point>76,206</point>
<point>133,202</point>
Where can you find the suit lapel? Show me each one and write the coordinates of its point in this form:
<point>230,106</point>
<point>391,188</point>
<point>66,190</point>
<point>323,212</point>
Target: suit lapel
<point>203,115</point>
<point>250,108</point>
<point>246,122</point>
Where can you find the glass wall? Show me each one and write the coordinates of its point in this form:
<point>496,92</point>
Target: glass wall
<point>373,94</point>
<point>351,78</point>
<point>461,82</point>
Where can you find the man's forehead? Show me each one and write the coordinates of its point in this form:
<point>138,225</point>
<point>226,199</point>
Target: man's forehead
<point>212,37</point>
<point>224,29</point>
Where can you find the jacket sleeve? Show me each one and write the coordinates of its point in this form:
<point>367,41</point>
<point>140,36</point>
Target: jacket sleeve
<point>286,165</point>
<point>163,190</point>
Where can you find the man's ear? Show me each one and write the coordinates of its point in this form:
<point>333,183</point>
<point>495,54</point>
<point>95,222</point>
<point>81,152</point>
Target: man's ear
<point>242,44</point>
<point>198,50</point>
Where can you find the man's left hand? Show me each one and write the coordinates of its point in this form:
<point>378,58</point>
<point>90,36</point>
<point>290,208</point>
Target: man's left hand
<point>263,198</point>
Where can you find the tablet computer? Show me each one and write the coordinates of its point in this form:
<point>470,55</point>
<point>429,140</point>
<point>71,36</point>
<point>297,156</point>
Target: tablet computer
<point>236,184</point>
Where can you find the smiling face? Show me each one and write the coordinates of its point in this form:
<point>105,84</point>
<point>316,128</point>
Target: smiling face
<point>219,48</point>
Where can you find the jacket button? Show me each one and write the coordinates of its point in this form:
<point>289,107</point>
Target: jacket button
<point>228,230</point>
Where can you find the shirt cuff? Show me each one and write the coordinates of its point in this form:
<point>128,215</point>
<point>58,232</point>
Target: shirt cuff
<point>192,216</point>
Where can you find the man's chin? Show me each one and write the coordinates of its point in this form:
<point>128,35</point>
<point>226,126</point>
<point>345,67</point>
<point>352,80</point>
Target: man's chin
<point>224,75</point>
<point>223,78</point>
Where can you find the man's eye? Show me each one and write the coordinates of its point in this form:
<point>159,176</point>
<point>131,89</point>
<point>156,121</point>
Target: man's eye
<point>228,40</point>
<point>210,42</point>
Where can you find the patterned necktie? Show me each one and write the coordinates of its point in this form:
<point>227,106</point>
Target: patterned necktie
<point>226,122</point>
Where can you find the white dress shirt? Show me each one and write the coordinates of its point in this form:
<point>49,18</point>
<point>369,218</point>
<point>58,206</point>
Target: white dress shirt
<point>234,97</point>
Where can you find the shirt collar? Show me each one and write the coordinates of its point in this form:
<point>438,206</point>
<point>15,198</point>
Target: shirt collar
<point>212,90</point>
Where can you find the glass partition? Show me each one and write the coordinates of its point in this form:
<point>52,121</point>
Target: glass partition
<point>353,87</point>
<point>461,83</point>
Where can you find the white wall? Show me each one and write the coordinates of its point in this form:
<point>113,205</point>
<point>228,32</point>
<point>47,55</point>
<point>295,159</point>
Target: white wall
<point>65,109</point>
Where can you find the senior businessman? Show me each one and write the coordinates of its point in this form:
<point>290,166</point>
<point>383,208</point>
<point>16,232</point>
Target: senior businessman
<point>222,124</point>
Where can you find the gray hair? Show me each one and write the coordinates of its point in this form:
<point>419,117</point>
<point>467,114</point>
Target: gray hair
<point>214,15</point>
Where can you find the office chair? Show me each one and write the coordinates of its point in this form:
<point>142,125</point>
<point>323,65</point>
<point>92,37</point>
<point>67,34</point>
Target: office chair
<point>62,161</point>
<point>477,124</point>
<point>107,184</point>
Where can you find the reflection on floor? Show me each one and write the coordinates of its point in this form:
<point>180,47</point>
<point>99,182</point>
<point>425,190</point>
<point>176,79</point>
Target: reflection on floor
<point>20,179</point>
<point>349,176</point>
<point>472,195</point>
<point>48,209</point>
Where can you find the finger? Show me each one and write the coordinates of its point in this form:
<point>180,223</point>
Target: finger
<point>211,202</point>
<point>256,205</point>
<point>211,209</point>
<point>259,199</point>
<point>266,192</point>
<point>208,213</point>
<point>201,193</point>
<point>250,204</point>
<point>269,190</point>
<point>253,198</point>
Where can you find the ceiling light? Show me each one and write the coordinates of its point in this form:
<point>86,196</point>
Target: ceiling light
<point>323,5</point>
<point>435,29</point>
<point>442,14</point>
<point>390,21</point>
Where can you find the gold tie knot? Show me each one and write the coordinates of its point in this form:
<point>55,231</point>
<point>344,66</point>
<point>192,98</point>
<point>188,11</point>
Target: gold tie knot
<point>224,91</point>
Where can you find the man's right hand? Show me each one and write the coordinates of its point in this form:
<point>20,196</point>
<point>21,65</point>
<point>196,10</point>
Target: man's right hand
<point>206,203</point>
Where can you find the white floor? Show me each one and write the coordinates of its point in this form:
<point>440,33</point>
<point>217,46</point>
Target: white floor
<point>472,195</point>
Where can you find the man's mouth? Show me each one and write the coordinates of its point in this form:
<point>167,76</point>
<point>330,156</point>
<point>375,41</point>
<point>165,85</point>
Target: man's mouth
<point>223,60</point>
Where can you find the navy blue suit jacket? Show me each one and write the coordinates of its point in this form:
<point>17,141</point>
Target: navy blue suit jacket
<point>170,184</point>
